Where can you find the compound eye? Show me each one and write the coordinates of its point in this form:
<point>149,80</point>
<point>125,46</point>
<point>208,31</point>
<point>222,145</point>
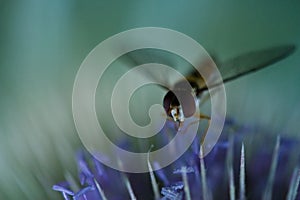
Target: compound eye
<point>170,101</point>
<point>187,100</point>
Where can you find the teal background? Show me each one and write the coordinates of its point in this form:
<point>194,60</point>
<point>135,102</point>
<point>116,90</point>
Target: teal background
<point>42,44</point>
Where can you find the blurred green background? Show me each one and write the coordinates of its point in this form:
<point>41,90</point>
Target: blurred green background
<point>42,44</point>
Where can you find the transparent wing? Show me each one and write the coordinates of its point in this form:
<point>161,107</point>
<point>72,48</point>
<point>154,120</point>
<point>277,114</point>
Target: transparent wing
<point>145,56</point>
<point>251,62</point>
<point>233,68</point>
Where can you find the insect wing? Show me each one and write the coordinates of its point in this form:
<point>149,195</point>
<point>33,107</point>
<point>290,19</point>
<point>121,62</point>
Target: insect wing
<point>251,62</point>
<point>146,56</point>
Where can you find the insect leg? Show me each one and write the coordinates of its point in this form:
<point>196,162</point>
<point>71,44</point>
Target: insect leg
<point>204,98</point>
<point>200,116</point>
<point>204,135</point>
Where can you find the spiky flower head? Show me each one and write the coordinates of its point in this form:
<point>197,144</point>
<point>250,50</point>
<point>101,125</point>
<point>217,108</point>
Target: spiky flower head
<point>242,165</point>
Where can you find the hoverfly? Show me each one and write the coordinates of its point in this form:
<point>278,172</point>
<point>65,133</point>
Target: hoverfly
<point>178,110</point>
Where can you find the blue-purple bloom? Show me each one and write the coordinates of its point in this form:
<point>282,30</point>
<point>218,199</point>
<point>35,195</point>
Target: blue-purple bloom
<point>242,165</point>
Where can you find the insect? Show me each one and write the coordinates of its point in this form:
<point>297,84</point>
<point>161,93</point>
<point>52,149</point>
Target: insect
<point>180,103</point>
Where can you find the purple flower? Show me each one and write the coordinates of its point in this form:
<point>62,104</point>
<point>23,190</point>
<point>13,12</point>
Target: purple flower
<point>242,165</point>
